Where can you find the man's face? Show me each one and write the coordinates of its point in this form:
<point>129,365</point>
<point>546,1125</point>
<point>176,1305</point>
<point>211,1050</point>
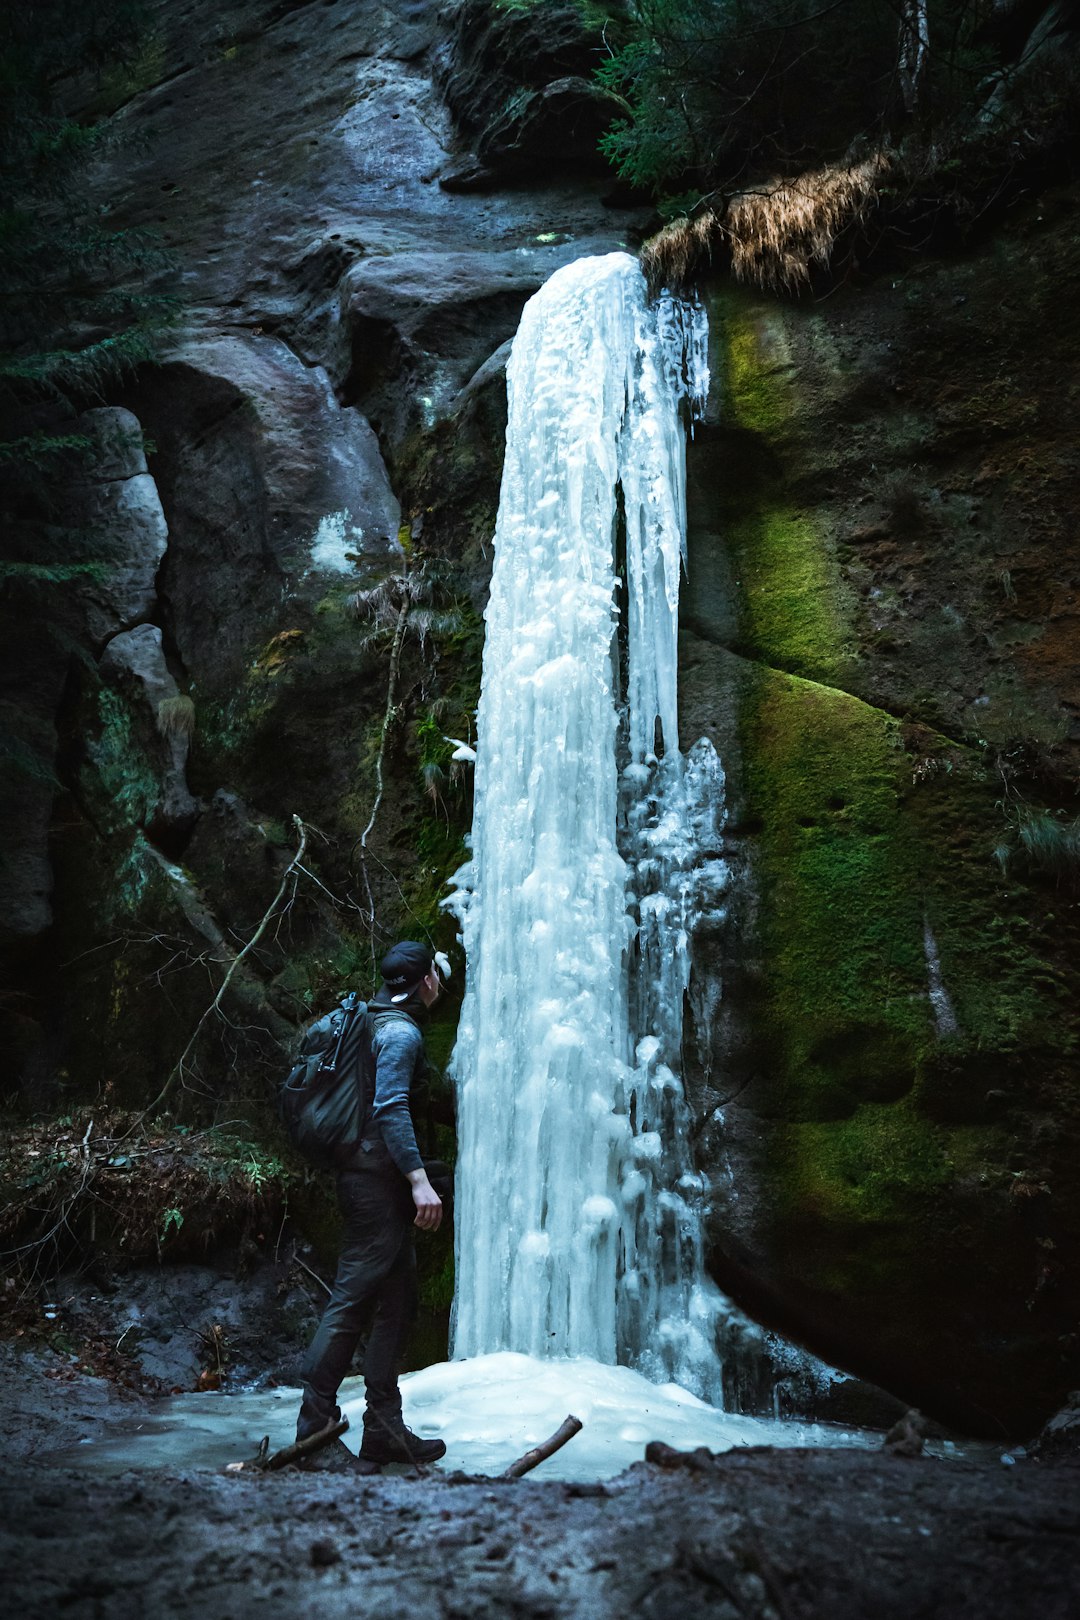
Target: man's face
<point>431,988</point>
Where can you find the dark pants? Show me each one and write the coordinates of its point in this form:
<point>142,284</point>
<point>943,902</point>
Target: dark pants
<point>377,1267</point>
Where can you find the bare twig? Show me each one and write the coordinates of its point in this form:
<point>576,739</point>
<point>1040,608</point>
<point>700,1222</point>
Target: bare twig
<point>566,1431</point>
<point>215,1005</point>
<point>264,1462</point>
<point>388,721</point>
<point>313,1274</point>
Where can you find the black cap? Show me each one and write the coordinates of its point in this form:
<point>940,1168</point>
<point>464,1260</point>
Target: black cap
<point>406,964</point>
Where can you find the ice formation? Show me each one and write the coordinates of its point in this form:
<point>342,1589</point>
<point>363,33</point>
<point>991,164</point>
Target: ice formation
<point>595,845</point>
<point>489,1411</point>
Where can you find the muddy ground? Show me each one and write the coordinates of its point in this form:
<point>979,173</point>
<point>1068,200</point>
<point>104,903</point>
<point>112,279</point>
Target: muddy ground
<point>781,1535</point>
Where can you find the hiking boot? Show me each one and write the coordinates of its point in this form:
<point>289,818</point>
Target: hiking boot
<point>336,1458</point>
<point>397,1444</point>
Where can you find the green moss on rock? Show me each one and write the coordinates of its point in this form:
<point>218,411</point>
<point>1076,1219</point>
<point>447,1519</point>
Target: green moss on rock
<point>795,611</point>
<point>841,921</point>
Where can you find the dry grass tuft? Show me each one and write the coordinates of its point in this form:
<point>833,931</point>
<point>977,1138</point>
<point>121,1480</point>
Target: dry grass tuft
<point>400,598</point>
<point>176,716</point>
<point>677,255</point>
<point>776,234</point>
<point>779,234</point>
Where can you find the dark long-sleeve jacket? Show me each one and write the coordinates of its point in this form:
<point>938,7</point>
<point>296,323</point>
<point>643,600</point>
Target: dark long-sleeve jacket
<point>397,1050</point>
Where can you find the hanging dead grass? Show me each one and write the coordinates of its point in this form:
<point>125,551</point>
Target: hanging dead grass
<point>176,716</point>
<point>775,235</point>
<point>782,232</point>
<point>676,256</point>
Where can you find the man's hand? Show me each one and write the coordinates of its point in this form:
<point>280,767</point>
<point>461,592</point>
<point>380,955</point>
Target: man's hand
<point>427,1201</point>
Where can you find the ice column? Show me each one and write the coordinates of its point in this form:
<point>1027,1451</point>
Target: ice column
<point>576,1227</point>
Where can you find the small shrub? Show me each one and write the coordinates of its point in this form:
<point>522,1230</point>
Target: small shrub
<point>1052,846</point>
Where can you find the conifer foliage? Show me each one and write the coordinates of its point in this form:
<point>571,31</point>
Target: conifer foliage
<point>719,93</point>
<point>74,309</point>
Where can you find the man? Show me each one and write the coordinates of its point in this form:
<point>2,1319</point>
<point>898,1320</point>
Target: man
<point>384,1192</point>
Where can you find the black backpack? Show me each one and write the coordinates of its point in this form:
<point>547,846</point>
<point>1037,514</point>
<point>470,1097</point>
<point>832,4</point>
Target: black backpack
<point>326,1095</point>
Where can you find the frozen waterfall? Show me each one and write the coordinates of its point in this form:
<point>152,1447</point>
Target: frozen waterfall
<point>595,847</point>
<point>597,853</point>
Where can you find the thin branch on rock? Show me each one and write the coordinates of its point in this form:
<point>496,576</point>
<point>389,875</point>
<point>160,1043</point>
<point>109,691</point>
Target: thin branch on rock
<point>314,1274</point>
<point>388,720</point>
<point>215,1005</point>
<point>302,1449</point>
<point>266,1462</point>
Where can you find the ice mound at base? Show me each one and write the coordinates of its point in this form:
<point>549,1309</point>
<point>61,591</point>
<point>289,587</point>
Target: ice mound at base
<point>491,1409</point>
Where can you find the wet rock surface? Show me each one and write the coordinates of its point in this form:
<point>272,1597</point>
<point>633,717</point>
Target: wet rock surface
<point>517,80</point>
<point>288,158</point>
<point>187,1327</point>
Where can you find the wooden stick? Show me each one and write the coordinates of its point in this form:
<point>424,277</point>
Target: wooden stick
<point>566,1431</point>
<point>296,1260</point>
<point>306,1448</point>
<point>264,1463</point>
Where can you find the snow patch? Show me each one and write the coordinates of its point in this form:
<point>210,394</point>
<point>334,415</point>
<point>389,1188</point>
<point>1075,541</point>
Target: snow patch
<point>333,540</point>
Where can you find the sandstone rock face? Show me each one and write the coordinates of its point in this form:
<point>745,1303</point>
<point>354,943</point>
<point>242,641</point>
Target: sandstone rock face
<point>104,559</point>
<point>879,586</point>
<point>120,511</point>
<point>273,491</point>
<point>518,81</point>
<point>422,324</point>
<point>290,160</point>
